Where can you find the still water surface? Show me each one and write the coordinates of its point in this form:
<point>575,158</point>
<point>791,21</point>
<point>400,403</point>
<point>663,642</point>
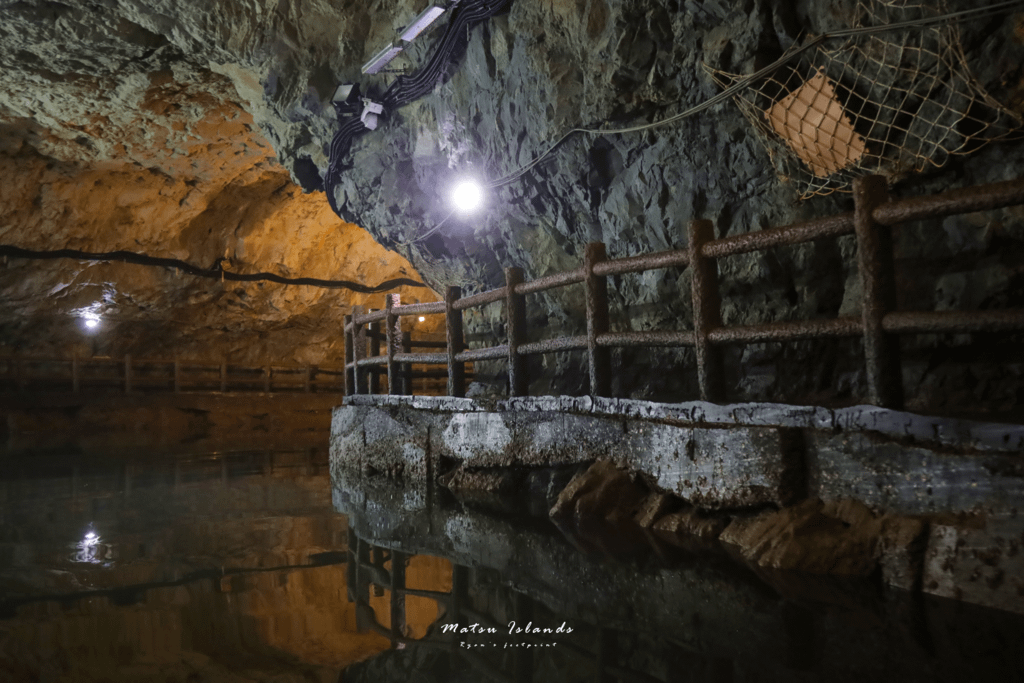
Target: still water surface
<point>238,566</point>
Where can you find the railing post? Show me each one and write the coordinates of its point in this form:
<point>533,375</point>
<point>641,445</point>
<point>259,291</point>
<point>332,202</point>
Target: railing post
<point>374,375</point>
<point>348,377</point>
<point>398,562</point>
<point>223,377</point>
<point>358,351</point>
<point>515,310</point>
<point>76,380</point>
<point>455,341</point>
<point>407,367</point>
<point>598,357</point>
<point>707,312</point>
<point>266,379</point>
<point>522,659</point>
<point>878,292</point>
<point>392,339</point>
<point>309,379</point>
<point>128,374</point>
<point>177,376</point>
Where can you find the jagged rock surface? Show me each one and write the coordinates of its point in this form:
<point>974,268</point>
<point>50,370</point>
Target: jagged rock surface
<point>80,78</point>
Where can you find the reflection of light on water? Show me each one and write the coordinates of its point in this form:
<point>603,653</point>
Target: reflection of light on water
<point>92,550</point>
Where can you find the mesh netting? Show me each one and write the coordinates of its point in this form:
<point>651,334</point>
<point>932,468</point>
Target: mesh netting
<point>890,103</point>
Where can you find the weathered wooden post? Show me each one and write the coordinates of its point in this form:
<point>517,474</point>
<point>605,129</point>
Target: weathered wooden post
<point>522,658</point>
<point>598,357</point>
<point>393,340</point>
<point>359,349</point>
<point>398,562</point>
<point>878,292</point>
<point>455,341</point>
<point>407,367</point>
<point>349,375</point>
<point>373,371</point>
<point>515,310</point>
<point>707,312</point>
<point>223,377</point>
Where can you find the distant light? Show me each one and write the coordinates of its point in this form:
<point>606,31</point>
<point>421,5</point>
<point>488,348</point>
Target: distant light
<point>422,319</point>
<point>91,539</point>
<point>91,323</point>
<point>467,196</point>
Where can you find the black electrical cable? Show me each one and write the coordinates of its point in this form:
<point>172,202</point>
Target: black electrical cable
<point>215,272</point>
<point>407,89</point>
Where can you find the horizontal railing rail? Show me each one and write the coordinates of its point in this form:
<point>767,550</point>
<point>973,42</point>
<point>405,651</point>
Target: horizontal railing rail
<point>878,324</point>
<point>131,374</point>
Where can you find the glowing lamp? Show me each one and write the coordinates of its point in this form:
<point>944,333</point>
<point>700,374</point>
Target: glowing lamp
<point>467,196</point>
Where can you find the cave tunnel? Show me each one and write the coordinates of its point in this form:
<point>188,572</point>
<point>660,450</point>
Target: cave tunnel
<point>498,340</point>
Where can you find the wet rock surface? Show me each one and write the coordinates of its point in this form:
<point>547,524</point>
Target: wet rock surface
<point>888,521</point>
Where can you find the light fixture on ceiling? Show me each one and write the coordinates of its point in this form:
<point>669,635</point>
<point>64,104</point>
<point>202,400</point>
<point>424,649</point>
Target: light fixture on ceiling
<point>381,59</point>
<point>346,99</point>
<point>420,23</point>
<point>91,321</point>
<point>371,112</point>
<point>418,26</point>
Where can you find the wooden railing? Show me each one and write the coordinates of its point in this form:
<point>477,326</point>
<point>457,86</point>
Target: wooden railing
<point>878,324</point>
<point>128,374</point>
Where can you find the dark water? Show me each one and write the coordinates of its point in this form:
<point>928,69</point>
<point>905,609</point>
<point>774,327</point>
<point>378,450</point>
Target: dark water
<point>252,566</point>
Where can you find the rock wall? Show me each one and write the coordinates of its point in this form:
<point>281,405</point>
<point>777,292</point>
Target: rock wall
<point>83,73</point>
<point>545,68</point>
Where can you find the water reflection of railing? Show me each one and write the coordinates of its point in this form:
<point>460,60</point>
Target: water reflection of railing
<point>369,573</point>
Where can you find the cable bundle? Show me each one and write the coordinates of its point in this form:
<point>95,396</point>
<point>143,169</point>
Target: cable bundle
<point>407,89</point>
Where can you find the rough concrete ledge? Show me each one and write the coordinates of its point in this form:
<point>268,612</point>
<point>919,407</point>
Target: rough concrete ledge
<point>715,457</point>
<point>895,424</point>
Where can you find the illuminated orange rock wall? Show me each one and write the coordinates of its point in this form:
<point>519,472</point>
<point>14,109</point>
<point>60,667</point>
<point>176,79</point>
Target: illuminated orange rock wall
<point>176,171</point>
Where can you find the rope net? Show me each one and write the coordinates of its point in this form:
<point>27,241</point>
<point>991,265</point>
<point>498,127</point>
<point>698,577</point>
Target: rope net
<point>889,103</point>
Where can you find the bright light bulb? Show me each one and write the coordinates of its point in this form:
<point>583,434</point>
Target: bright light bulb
<point>422,318</point>
<point>467,196</point>
<point>92,323</point>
